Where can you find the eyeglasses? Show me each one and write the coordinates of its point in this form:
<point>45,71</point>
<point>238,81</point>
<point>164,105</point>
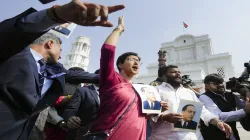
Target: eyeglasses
<point>134,60</point>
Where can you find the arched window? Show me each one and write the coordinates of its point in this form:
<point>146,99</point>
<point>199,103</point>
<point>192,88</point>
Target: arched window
<point>82,59</point>
<point>85,46</point>
<point>79,47</point>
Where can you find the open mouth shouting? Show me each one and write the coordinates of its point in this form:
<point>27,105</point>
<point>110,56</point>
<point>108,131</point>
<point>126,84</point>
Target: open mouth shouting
<point>135,67</point>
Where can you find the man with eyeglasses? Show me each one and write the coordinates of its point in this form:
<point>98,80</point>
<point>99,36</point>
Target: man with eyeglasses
<point>223,104</point>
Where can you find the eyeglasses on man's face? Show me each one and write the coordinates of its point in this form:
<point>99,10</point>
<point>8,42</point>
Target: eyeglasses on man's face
<point>134,60</point>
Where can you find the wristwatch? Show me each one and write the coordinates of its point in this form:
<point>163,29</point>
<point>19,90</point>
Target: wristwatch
<point>61,124</point>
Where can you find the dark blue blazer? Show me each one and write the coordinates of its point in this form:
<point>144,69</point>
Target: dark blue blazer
<point>157,105</point>
<point>20,98</point>
<point>83,104</point>
<point>191,125</point>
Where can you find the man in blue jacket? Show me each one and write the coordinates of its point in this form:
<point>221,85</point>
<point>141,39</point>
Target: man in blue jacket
<point>31,77</point>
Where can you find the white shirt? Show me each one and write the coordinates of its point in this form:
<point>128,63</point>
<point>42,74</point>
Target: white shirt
<point>163,131</point>
<point>53,116</point>
<point>183,123</point>
<point>47,82</point>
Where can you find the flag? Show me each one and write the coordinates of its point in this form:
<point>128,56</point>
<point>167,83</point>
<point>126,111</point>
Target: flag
<point>185,25</point>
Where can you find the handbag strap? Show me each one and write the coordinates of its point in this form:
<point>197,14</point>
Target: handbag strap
<point>120,118</point>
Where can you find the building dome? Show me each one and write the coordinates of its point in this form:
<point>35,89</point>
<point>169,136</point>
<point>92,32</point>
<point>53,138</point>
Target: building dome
<point>79,54</point>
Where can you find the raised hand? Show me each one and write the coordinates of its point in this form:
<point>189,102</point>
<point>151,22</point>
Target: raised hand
<point>86,14</point>
<point>114,36</point>
<point>121,23</point>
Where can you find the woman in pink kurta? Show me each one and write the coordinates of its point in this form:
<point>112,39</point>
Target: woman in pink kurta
<point>117,93</point>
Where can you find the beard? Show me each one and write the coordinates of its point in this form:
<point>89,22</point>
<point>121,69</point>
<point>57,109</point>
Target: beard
<point>219,90</point>
<point>174,81</point>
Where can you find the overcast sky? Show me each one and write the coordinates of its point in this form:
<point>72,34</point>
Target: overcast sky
<point>150,23</point>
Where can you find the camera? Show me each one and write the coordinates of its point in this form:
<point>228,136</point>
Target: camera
<point>186,81</point>
<point>235,84</point>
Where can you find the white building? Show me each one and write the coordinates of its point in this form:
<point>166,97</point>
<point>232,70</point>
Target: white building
<point>79,54</point>
<point>194,56</point>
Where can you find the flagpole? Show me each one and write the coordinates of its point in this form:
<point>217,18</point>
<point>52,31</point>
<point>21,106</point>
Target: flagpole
<point>183,27</point>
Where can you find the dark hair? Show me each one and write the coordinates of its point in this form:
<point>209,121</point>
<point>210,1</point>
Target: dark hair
<point>161,71</point>
<point>46,37</point>
<point>169,67</point>
<point>69,80</point>
<point>186,106</point>
<point>214,77</point>
<point>76,68</point>
<point>97,71</point>
<point>121,59</point>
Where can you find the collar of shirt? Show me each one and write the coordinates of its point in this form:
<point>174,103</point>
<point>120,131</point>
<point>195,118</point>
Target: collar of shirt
<point>183,122</point>
<point>36,55</point>
<point>47,82</point>
<point>171,87</point>
<point>97,89</point>
<point>150,103</point>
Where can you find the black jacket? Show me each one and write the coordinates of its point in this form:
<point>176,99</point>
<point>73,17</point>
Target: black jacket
<point>83,104</point>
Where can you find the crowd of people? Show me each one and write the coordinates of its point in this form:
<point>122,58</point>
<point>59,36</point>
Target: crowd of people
<point>40,99</point>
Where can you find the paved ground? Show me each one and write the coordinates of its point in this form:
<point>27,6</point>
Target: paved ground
<point>244,135</point>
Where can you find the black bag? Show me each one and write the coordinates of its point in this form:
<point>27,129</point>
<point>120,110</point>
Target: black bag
<point>104,135</point>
